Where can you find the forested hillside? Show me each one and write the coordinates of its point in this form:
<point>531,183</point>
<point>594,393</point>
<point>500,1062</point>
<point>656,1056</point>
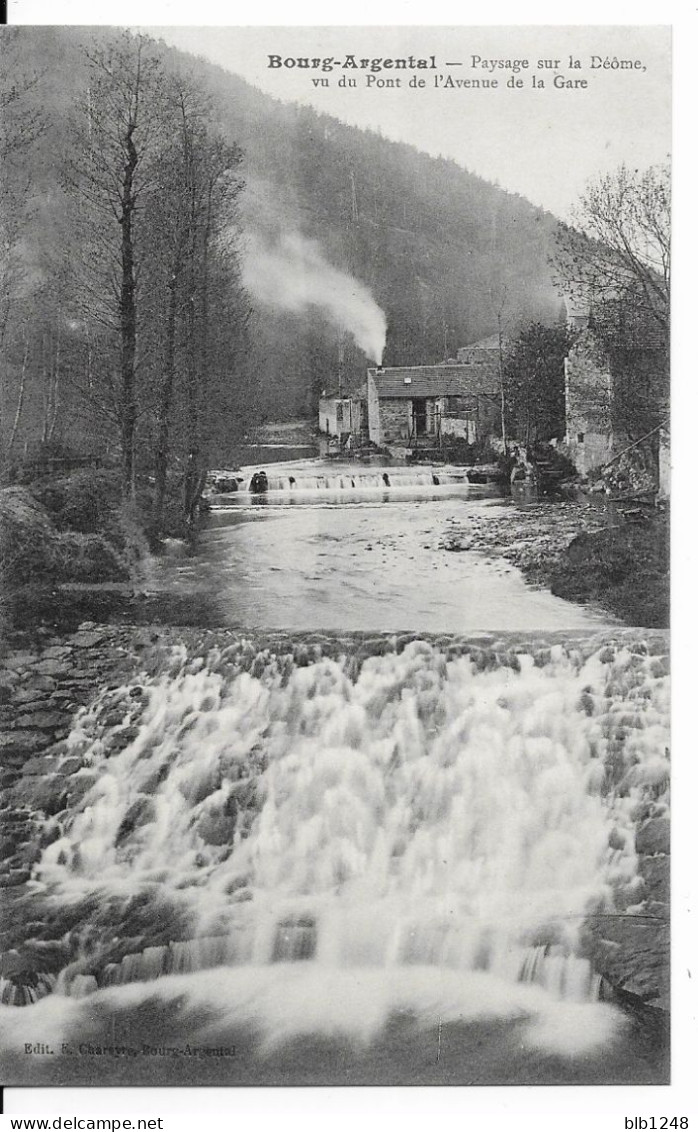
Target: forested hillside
<point>315,205</point>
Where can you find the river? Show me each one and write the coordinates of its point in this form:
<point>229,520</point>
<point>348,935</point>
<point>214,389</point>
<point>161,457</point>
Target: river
<point>365,860</point>
<point>339,548</point>
<point>334,842</point>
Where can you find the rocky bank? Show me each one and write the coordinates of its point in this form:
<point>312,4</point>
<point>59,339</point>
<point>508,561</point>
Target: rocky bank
<point>612,560</point>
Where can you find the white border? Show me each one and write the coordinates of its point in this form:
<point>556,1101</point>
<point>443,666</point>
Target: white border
<point>571,1109</point>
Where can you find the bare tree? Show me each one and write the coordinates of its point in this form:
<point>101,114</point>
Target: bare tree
<point>620,245</point>
<point>111,170</point>
<point>21,125</point>
<point>196,206</point>
<point>617,260</point>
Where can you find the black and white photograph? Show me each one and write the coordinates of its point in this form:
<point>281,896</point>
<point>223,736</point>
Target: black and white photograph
<point>334,538</point>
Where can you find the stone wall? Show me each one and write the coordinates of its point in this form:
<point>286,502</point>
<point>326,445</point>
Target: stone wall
<point>41,688</point>
<point>485,358</point>
<point>374,420</point>
<point>632,949</point>
<point>465,428</point>
<point>664,464</point>
<point>396,419</point>
<point>588,405</point>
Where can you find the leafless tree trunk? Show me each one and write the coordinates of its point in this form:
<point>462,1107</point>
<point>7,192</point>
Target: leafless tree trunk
<point>108,172</point>
<point>20,398</point>
<point>162,452</point>
<point>128,320</point>
<point>55,390</point>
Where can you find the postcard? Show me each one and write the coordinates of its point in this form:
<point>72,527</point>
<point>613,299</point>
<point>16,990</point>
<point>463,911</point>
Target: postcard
<point>334,692</point>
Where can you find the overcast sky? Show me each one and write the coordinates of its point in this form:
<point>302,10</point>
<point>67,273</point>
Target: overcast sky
<point>544,143</point>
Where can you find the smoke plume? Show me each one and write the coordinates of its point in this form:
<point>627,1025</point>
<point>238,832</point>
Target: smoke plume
<point>291,273</point>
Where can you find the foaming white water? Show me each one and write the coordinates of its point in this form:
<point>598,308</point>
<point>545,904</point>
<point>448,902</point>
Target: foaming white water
<point>415,826</point>
<point>286,1001</point>
<point>315,478</point>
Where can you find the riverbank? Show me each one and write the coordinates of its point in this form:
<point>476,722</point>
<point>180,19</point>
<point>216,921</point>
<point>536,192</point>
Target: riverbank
<point>579,554</point>
<point>46,774</point>
<point>73,530</point>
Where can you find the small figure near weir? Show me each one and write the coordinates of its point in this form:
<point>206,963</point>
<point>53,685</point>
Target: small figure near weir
<point>259,483</point>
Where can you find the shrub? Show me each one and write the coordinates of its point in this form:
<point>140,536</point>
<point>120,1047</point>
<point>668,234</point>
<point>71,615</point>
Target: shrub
<point>85,501</point>
<point>627,571</point>
<point>28,540</point>
<point>458,450</point>
<point>88,558</point>
<point>88,504</point>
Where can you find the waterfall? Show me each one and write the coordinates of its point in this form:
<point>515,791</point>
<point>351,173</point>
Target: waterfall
<point>13,993</point>
<point>427,807</point>
<point>317,480</point>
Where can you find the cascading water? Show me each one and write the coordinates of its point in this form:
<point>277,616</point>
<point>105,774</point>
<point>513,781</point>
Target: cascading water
<point>314,477</point>
<point>356,825</point>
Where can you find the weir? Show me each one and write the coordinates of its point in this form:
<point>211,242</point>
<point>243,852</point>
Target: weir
<point>362,807</point>
<point>349,478</point>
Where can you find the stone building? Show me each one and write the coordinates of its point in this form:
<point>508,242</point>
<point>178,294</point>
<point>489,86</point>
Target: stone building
<point>590,435</point>
<point>413,406</point>
<point>664,462</point>
<point>597,408</point>
<point>342,415</point>
<point>484,354</point>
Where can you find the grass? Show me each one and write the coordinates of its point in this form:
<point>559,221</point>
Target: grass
<point>625,569</point>
<point>70,529</point>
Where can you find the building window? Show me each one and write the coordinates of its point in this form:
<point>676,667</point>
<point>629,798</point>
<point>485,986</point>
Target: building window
<point>340,417</point>
<point>580,438</point>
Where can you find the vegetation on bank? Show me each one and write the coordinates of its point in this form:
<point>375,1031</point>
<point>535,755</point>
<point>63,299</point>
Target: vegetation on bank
<point>74,528</point>
<point>122,314</point>
<point>124,318</point>
<point>623,568</point>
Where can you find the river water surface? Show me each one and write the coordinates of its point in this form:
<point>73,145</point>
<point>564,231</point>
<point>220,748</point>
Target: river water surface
<point>304,865</point>
<point>340,549</point>
<point>354,852</point>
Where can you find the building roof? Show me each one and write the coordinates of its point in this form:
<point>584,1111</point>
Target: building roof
<point>577,307</point>
<point>335,395</point>
<point>490,343</point>
<point>432,381</point>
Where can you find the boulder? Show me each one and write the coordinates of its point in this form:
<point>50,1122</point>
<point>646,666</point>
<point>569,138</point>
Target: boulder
<point>29,700</point>
<point>86,640</point>
<point>71,765</point>
<point>52,667</point>
<point>18,661</point>
<point>22,742</point>
<point>141,812</point>
<point>653,836</point>
<point>77,785</point>
<point>14,878</point>
<point>217,829</point>
<point>45,720</point>
<point>42,764</point>
<point>40,682</point>
<point>656,875</point>
<point>11,963</point>
<point>119,740</point>
<point>47,793</point>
